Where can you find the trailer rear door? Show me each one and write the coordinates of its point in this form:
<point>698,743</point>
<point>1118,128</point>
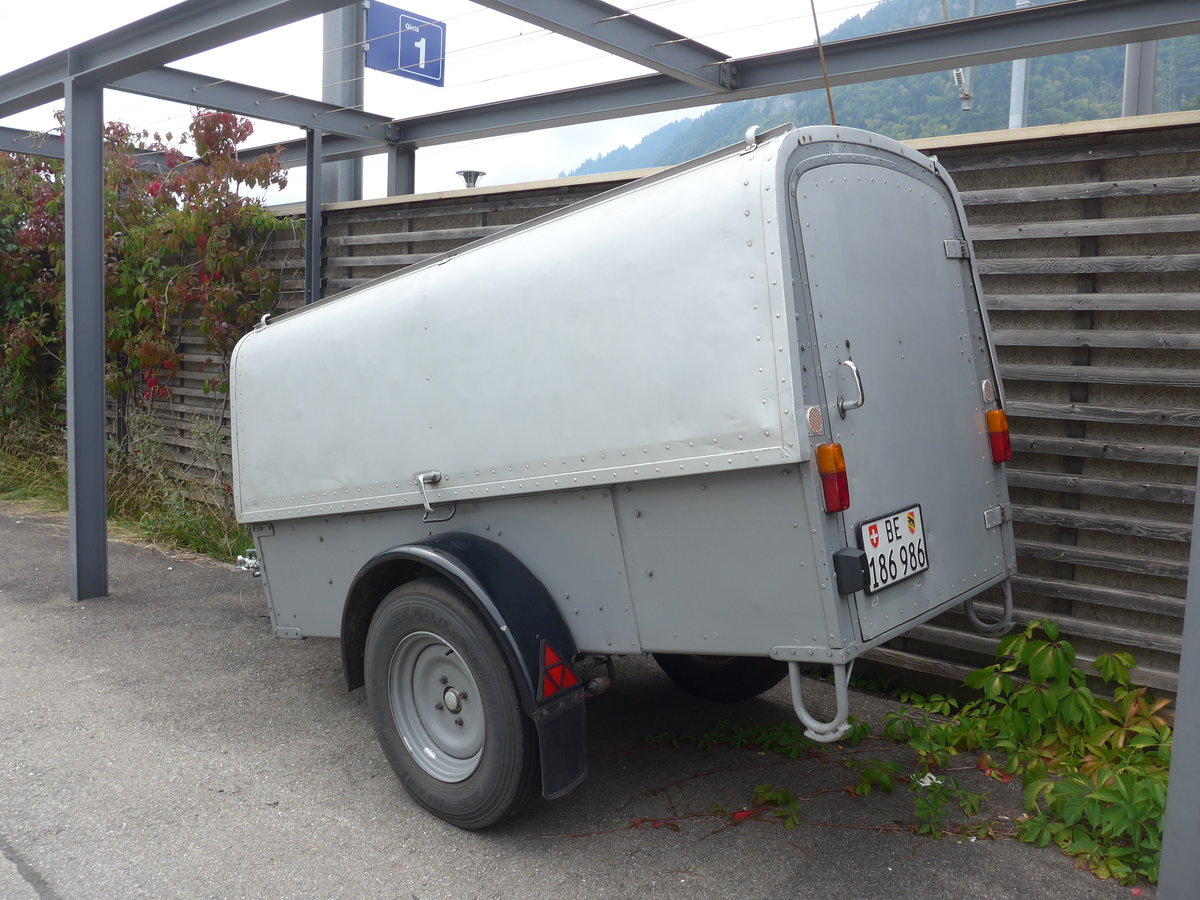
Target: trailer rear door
<point>893,295</point>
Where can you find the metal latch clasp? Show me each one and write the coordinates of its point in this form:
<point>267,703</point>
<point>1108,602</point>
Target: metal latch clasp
<point>433,476</point>
<point>956,249</point>
<point>997,515</point>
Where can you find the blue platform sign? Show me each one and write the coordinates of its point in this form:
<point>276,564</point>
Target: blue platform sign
<point>406,44</point>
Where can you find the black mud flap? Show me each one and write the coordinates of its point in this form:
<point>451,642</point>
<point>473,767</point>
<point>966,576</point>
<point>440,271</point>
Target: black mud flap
<point>563,755</point>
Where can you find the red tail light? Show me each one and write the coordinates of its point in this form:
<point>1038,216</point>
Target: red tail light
<point>556,674</point>
<point>997,426</point>
<point>831,465</point>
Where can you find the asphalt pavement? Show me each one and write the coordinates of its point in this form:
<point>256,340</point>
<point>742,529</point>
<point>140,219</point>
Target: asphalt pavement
<point>161,743</point>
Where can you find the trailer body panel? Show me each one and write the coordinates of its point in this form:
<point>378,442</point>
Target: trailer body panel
<point>637,397</point>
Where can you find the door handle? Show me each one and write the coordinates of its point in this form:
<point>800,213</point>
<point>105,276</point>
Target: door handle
<point>842,405</point>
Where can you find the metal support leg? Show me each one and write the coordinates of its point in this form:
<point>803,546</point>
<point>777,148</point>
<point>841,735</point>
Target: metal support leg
<point>312,219</point>
<point>823,732</point>
<point>86,436</point>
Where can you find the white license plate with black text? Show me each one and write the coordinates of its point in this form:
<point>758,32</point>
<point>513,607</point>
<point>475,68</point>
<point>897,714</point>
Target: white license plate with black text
<point>895,548</point>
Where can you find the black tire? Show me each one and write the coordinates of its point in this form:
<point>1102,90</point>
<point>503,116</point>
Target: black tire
<point>437,681</point>
<point>726,679</point>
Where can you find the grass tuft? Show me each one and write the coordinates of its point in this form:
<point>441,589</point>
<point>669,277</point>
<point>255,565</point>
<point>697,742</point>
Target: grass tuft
<point>147,495</point>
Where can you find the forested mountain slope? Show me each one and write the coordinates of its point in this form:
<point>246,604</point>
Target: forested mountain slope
<point>1066,88</point>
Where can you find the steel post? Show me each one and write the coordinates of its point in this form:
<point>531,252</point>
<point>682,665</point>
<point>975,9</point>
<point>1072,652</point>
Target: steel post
<point>401,171</point>
<point>87,516</point>
<point>312,219</point>
<point>342,64</point>
<point>1141,63</point>
<point>1180,866</point>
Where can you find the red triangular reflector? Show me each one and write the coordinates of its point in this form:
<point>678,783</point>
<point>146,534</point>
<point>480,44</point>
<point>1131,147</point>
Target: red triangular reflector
<point>556,674</point>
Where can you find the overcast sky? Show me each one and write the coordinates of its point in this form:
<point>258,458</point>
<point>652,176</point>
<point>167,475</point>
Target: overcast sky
<point>489,57</point>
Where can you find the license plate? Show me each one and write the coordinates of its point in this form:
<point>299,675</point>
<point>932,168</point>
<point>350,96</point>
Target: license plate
<point>895,547</point>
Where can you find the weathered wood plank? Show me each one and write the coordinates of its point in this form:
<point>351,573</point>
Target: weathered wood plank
<point>1160,454</point>
<point>1135,340</point>
<point>1101,375</point>
<point>913,662</point>
<point>337,285</point>
<point>1179,262</point>
<point>967,639</point>
<point>1157,491</point>
<point>1140,187</point>
<point>1089,153</point>
<point>1103,559</point>
<point>1095,412</point>
<point>1072,228</point>
<point>537,205</point>
<point>1136,601</point>
<point>414,237</point>
<point>1134,302</point>
<point>1158,529</point>
<point>1120,635</point>
<point>393,259</point>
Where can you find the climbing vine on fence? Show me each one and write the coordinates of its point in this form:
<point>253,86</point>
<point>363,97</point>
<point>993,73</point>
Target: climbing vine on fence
<point>185,225</point>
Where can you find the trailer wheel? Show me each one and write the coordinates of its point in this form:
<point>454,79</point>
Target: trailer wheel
<point>727,679</point>
<point>445,707</point>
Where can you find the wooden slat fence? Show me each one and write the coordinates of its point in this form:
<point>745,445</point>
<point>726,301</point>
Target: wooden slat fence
<point>1090,262</point>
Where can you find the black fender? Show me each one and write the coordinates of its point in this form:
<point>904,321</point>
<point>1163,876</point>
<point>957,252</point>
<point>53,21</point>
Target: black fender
<point>524,621</point>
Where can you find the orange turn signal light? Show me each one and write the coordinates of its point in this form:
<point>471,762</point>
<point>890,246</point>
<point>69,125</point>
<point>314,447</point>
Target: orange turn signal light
<point>831,466</point>
<point>997,426</point>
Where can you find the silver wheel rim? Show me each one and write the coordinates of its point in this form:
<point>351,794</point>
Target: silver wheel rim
<point>436,706</point>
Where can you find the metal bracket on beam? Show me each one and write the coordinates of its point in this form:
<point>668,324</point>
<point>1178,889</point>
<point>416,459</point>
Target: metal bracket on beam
<point>729,76</point>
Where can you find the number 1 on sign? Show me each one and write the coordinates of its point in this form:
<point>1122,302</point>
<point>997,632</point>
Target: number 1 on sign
<point>420,45</point>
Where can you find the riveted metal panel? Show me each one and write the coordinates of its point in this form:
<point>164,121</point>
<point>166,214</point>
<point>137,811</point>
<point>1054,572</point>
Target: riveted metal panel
<point>872,230</point>
<point>638,336</point>
<point>568,540</point>
<point>726,564</point>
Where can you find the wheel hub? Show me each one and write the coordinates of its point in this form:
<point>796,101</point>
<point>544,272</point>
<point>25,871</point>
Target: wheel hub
<point>429,684</point>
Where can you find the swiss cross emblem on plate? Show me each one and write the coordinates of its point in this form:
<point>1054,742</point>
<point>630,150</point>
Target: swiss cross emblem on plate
<point>873,534</point>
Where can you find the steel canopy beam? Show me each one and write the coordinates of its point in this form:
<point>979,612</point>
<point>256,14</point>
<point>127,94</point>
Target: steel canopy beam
<point>14,140</point>
<point>295,152</point>
<point>604,26</point>
<point>1033,31</point>
<point>178,31</point>
<point>202,90</point>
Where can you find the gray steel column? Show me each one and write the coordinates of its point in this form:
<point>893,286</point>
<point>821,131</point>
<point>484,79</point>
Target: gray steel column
<point>87,516</point>
<point>312,218</point>
<point>1141,64</point>
<point>1179,872</point>
<point>1018,94</point>
<point>342,66</point>
<point>402,171</point>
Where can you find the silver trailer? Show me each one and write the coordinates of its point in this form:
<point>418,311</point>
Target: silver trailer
<point>743,415</point>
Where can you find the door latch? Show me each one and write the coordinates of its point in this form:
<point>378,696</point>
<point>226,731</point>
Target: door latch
<point>433,476</point>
